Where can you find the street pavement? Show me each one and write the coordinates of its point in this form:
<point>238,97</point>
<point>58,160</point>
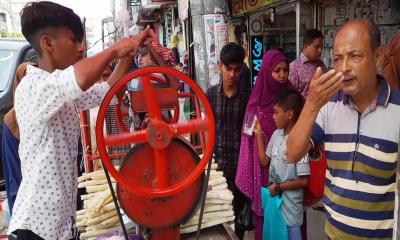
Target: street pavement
<point>315,226</point>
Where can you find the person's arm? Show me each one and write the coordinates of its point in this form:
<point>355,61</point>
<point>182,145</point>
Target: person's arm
<point>293,75</point>
<point>299,183</point>
<point>93,96</point>
<point>264,159</point>
<point>322,89</point>
<point>120,70</point>
<point>89,70</point>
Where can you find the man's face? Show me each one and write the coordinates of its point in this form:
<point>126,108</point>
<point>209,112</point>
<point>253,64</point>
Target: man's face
<point>355,58</point>
<point>67,50</point>
<point>231,73</point>
<point>313,50</point>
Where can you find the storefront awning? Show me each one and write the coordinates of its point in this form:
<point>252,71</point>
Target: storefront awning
<point>148,4</point>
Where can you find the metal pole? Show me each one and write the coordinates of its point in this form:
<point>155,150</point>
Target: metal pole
<point>102,32</point>
<point>125,24</point>
<point>85,132</point>
<point>297,29</point>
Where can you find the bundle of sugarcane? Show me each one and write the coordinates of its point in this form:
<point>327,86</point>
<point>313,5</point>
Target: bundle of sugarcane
<point>218,205</point>
<point>98,215</point>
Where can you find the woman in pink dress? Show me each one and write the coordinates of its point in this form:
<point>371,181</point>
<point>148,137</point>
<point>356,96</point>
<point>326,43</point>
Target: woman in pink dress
<point>250,174</point>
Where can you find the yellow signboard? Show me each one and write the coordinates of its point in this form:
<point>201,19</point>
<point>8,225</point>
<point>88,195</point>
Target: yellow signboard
<point>242,6</point>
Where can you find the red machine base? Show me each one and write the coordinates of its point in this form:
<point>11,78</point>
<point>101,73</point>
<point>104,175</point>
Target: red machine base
<point>160,213</point>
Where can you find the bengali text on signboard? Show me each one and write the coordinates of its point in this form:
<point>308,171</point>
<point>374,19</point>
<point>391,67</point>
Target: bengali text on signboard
<point>242,6</point>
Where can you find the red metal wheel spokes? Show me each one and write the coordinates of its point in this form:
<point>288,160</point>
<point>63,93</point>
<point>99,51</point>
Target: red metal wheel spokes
<point>158,134</point>
<point>121,113</point>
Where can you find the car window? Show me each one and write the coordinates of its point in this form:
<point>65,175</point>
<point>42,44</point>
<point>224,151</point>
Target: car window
<point>7,61</point>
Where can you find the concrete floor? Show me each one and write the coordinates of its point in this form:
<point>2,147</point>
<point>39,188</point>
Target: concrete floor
<point>315,226</point>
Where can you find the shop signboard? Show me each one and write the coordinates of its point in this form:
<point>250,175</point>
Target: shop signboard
<point>135,3</point>
<point>240,7</point>
<point>256,47</point>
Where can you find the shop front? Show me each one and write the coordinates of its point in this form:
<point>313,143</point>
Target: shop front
<point>271,24</point>
<point>385,13</point>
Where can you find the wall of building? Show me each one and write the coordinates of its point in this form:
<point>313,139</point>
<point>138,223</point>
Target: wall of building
<point>338,12</point>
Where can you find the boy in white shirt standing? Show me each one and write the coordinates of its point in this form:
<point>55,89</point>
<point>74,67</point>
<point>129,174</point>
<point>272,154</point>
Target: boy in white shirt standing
<point>47,103</point>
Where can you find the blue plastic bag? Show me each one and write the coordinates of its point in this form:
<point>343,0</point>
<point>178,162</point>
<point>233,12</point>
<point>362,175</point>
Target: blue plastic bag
<point>274,227</point>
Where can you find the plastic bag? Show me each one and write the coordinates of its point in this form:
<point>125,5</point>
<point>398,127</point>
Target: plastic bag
<point>245,219</point>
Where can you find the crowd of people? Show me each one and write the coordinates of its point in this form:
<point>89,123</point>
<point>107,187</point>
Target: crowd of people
<point>263,134</point>
<point>294,108</point>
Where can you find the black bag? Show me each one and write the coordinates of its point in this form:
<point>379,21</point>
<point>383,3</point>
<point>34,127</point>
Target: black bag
<point>245,219</point>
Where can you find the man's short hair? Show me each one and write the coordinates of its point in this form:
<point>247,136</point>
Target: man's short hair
<point>290,100</point>
<point>374,34</point>
<point>373,31</point>
<point>232,53</point>
<point>37,17</point>
<point>310,35</point>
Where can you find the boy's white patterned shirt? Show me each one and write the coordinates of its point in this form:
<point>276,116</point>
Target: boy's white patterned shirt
<point>47,107</point>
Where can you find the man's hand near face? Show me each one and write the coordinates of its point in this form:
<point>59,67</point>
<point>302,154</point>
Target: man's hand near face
<point>322,88</point>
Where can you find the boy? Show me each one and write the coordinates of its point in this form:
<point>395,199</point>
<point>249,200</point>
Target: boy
<point>284,178</point>
<point>228,101</point>
<point>47,103</point>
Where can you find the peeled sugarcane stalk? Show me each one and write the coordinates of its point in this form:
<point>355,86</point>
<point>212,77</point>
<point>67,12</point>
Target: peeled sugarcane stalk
<point>110,222</point>
<point>217,201</point>
<point>213,222</point>
<point>224,194</point>
<point>217,181</point>
<point>101,176</point>
<point>105,224</point>
<point>80,218</point>
<point>81,212</point>
<point>91,195</point>
<point>98,188</point>
<point>92,183</point>
<point>209,215</point>
<point>81,223</point>
<point>215,207</point>
<point>93,214</point>
<point>96,175</point>
<point>90,175</point>
<point>219,187</point>
<point>101,218</point>
<point>107,199</point>
<point>216,174</point>
<point>108,207</point>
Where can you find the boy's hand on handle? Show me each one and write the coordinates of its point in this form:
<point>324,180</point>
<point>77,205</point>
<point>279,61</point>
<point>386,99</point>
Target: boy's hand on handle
<point>272,189</point>
<point>323,87</point>
<point>130,45</point>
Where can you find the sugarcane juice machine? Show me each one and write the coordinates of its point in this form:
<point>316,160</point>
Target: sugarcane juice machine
<point>160,181</point>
